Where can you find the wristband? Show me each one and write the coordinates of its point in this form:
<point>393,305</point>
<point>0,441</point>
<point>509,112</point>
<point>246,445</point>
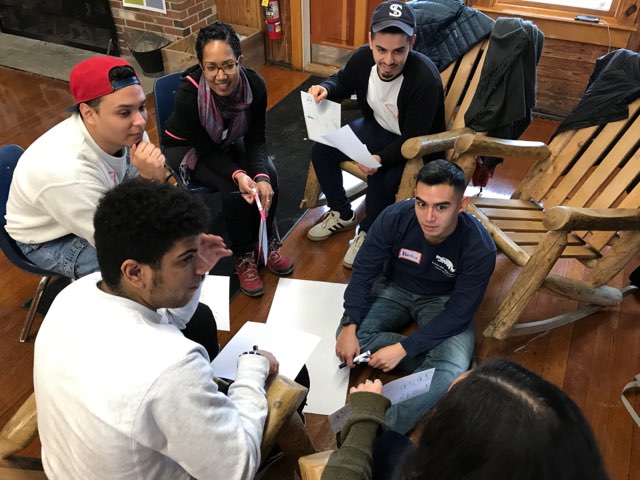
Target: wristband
<point>233,175</point>
<point>262,177</point>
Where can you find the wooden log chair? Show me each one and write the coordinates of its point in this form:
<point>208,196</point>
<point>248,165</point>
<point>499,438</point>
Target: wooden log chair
<point>460,80</point>
<point>283,427</point>
<point>579,200</point>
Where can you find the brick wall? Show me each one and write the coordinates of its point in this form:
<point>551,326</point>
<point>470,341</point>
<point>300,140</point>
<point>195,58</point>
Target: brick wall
<point>182,18</point>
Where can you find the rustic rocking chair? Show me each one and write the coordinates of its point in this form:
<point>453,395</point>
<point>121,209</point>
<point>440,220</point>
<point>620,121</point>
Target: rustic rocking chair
<point>579,200</point>
<point>459,80</point>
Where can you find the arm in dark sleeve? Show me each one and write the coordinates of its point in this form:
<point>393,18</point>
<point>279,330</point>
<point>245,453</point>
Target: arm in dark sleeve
<point>184,123</point>
<point>458,311</point>
<point>369,264</point>
<point>422,113</point>
<point>353,460</point>
<point>342,84</point>
<point>255,140</point>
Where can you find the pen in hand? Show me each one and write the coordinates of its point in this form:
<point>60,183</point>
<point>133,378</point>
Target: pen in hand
<point>362,358</point>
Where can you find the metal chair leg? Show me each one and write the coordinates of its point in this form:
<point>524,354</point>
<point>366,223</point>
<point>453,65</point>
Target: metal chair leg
<point>44,281</point>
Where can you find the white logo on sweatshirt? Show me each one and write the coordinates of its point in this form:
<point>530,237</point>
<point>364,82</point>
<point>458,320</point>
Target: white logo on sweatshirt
<point>444,265</point>
<point>410,255</point>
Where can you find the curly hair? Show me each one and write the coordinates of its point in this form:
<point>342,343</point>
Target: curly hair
<point>218,31</point>
<point>142,220</point>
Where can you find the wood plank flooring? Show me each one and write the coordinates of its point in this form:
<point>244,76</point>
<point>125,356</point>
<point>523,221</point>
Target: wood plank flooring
<point>591,360</point>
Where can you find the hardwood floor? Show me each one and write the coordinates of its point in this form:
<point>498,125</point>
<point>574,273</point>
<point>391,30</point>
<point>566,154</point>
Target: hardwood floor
<point>591,360</point>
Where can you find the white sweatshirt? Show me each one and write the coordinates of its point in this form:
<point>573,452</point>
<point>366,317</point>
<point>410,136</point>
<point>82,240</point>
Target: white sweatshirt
<point>58,182</point>
<point>122,394</point>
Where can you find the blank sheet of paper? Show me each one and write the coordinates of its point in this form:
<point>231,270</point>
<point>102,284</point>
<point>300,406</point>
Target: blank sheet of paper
<point>215,294</point>
<point>315,307</point>
<point>290,347</point>
<point>348,143</point>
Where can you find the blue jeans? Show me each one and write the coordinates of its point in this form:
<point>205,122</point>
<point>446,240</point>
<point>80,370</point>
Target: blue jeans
<point>392,309</point>
<point>382,186</point>
<point>70,256</point>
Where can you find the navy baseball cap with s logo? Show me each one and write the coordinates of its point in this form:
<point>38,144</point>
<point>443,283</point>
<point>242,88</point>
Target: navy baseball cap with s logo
<point>393,14</point>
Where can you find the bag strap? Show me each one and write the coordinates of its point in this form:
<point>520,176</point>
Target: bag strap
<point>633,384</point>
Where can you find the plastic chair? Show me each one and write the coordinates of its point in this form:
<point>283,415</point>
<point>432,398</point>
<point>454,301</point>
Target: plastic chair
<point>164,89</point>
<point>9,156</point>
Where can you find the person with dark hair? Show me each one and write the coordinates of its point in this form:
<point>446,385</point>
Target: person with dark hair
<point>499,421</point>
<point>120,391</point>
<point>216,135</point>
<point>400,94</point>
<point>428,262</point>
<point>62,175</point>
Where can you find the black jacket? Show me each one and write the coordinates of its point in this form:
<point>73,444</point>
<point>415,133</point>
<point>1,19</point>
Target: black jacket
<point>614,84</point>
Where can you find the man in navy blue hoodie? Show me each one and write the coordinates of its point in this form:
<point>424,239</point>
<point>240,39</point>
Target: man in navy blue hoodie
<point>427,261</point>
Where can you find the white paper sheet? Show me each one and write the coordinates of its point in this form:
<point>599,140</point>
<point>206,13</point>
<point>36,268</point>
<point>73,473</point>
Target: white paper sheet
<point>215,294</point>
<point>396,391</point>
<point>346,141</point>
<point>315,307</point>
<point>291,348</point>
<point>320,118</point>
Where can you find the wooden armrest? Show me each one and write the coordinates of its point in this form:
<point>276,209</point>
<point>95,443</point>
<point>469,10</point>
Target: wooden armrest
<point>20,430</point>
<point>438,142</point>
<point>311,466</point>
<point>283,397</point>
<point>497,147</point>
<point>605,219</point>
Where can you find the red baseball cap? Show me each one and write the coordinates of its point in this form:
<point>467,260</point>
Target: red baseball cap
<point>90,78</point>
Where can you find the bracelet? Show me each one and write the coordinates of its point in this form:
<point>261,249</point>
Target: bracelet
<point>233,175</point>
<point>250,352</point>
<point>262,177</point>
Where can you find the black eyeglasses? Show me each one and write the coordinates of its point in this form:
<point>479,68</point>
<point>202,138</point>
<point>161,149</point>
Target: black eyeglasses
<point>228,68</point>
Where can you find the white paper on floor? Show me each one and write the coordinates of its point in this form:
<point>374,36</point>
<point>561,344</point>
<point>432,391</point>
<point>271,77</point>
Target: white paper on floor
<point>315,307</point>
<point>215,294</point>
<point>290,346</point>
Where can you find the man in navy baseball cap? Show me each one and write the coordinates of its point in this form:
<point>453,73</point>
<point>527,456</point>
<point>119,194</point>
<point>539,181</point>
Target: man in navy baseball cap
<point>400,95</point>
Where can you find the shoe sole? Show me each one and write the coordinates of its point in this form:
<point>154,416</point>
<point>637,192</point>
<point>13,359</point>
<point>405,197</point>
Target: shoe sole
<point>253,293</point>
<point>319,239</point>
<point>347,265</point>
<point>282,272</point>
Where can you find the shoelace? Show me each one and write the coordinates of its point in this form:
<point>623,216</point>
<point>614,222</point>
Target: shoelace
<point>360,240</point>
<point>248,267</point>
<point>328,217</point>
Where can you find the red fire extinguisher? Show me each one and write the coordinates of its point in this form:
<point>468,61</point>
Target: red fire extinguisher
<point>274,27</point>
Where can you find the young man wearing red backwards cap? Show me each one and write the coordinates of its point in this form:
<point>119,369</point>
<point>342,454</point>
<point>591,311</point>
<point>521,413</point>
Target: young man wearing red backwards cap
<point>400,95</point>
<point>62,175</point>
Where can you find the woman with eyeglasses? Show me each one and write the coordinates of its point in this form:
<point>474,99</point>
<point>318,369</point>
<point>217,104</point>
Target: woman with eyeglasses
<point>215,136</point>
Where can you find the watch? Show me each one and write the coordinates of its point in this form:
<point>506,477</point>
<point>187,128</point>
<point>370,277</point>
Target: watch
<point>346,320</point>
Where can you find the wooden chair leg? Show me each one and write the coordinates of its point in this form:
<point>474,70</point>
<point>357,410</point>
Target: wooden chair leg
<point>527,284</point>
<point>312,190</point>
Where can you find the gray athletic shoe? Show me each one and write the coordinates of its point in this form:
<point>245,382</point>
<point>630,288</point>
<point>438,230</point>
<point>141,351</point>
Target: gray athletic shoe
<point>356,243</point>
<point>330,223</point>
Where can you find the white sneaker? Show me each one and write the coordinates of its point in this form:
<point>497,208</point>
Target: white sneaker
<point>329,224</point>
<point>356,243</point>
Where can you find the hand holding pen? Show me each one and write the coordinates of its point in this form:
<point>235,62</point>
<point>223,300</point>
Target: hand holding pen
<point>358,359</point>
